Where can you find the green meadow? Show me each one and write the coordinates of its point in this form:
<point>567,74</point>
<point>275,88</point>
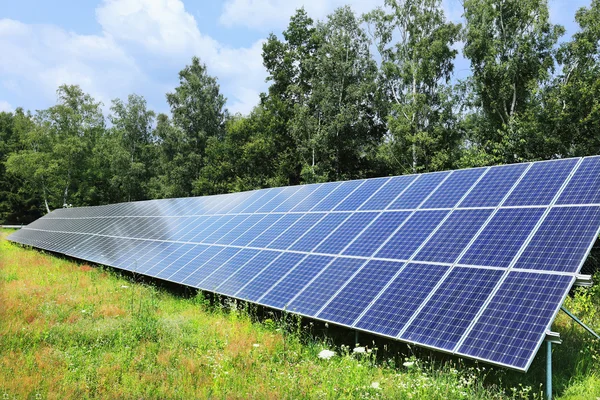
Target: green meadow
<point>71,330</point>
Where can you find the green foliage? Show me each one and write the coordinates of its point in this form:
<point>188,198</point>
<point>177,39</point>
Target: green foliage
<point>198,111</point>
<point>332,110</point>
<point>511,45</point>
<point>415,43</point>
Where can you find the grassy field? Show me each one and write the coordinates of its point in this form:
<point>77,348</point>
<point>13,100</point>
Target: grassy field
<point>69,330</point>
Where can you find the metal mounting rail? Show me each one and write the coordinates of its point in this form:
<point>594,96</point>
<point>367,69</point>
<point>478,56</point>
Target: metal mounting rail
<point>587,328</point>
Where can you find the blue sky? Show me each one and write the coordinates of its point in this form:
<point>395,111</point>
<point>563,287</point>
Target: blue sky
<point>116,47</point>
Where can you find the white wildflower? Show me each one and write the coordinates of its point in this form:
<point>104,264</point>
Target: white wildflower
<point>256,345</point>
<point>84,311</point>
<point>326,354</point>
<point>124,286</point>
<point>359,350</point>
<point>409,364</point>
<point>375,385</point>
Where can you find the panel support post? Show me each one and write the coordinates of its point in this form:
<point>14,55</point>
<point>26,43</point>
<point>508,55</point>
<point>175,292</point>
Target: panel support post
<point>356,338</point>
<point>549,370</point>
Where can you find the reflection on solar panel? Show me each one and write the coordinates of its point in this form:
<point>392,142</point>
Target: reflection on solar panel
<point>473,262</point>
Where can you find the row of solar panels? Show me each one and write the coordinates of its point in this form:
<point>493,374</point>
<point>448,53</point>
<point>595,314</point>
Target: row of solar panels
<point>430,305</point>
<point>560,241</point>
<point>482,282</point>
<point>537,186</point>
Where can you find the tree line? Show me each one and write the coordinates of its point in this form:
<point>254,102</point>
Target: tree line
<point>351,96</point>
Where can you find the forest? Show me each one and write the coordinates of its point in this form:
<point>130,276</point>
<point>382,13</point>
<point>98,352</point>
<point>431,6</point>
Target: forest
<point>351,96</point>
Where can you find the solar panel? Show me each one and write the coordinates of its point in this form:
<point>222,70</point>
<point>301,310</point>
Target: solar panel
<point>473,262</point>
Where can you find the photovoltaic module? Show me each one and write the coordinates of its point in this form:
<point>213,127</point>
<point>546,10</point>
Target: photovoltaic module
<point>474,262</point>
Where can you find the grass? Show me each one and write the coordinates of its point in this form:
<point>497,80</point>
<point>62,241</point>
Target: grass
<point>69,330</point>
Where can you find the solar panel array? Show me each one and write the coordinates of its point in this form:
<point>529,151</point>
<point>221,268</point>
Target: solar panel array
<point>474,262</point>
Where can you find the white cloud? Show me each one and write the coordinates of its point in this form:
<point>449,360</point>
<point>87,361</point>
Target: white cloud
<point>42,57</point>
<point>160,26</point>
<point>165,28</point>
<point>267,15</point>
<point>5,106</point>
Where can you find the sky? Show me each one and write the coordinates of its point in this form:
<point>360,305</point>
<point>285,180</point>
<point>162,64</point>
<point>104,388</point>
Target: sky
<point>112,48</point>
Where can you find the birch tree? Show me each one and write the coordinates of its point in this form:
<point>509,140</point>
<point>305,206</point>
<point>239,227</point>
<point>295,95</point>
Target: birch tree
<point>415,42</point>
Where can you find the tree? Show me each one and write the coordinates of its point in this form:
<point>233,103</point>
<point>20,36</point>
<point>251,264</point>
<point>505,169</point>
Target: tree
<point>290,69</point>
<point>18,204</point>
<point>415,72</point>
<point>337,127</point>
<point>198,109</point>
<point>511,46</point>
<point>130,146</point>
<point>246,158</point>
<point>571,114</point>
<point>54,160</point>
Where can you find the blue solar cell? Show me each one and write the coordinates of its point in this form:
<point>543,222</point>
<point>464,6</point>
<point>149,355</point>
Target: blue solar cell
<point>204,253</point>
<point>329,202</point>
<point>411,235</point>
<point>447,315</point>
<point>345,232</point>
<point>178,256</point>
<point>347,305</point>
<point>283,195</point>
<point>237,201</point>
<point>210,266</point>
<point>195,227</point>
<point>398,303</point>
<point>165,271</point>
<point>454,188</point>
<point>268,276</point>
<point>276,229</point>
<point>372,238</point>
<point>304,192</point>
<point>226,224</point>
<point>147,263</point>
<point>227,269</point>
<point>452,237</point>
<point>495,184</point>
<point>513,325</point>
<point>259,202</point>
<point>239,230</point>
<point>312,238</point>
<point>502,237</point>
<point>418,191</point>
<point>388,193</point>
<point>212,225</point>
<point>541,183</point>
<point>241,277</point>
<point>245,202</point>
<point>304,224</point>
<point>584,186</point>
<point>360,195</point>
<point>290,284</point>
<point>258,228</point>
<point>323,190</point>
<point>314,296</point>
<point>138,248</point>
<point>562,240</point>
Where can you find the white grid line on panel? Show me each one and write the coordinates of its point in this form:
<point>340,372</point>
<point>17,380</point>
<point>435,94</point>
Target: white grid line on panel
<point>514,260</point>
<point>358,235</point>
<point>460,255</point>
<point>301,236</point>
<point>416,251</point>
<point>380,246</point>
<point>350,214</point>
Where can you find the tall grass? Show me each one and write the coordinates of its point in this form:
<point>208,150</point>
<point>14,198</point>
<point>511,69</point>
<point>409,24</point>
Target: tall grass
<point>68,330</point>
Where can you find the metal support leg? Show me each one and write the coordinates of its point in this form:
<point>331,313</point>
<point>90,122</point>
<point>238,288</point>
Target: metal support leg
<point>549,370</point>
<point>356,335</point>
